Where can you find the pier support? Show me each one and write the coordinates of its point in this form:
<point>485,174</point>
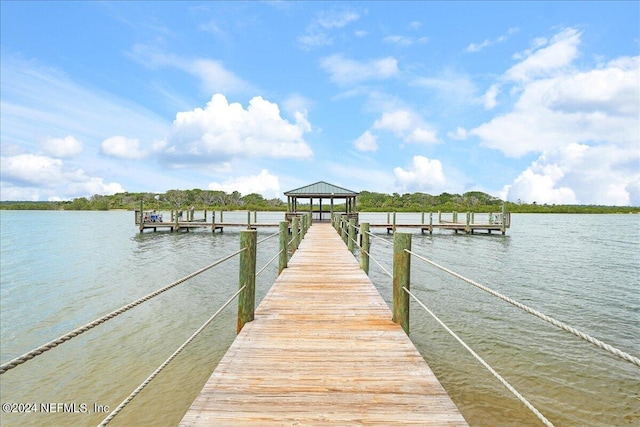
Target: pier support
<point>295,234</point>
<point>365,246</point>
<point>247,276</point>
<point>352,235</point>
<point>401,279</point>
<point>284,247</point>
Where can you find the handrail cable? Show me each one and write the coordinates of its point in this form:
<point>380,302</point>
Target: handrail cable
<point>268,262</point>
<point>380,238</point>
<point>504,382</point>
<point>155,373</point>
<point>549,319</point>
<point>267,238</point>
<point>66,337</point>
<point>379,265</point>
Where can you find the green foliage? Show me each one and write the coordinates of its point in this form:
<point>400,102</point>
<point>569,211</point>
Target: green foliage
<point>472,201</point>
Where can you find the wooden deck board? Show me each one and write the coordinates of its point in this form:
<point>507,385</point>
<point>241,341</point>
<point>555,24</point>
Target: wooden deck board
<point>322,350</point>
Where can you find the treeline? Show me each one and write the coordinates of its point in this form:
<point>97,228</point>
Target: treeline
<point>473,201</point>
<point>172,199</point>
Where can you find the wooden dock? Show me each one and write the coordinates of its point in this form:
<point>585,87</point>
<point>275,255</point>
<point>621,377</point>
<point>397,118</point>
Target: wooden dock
<point>322,350</point>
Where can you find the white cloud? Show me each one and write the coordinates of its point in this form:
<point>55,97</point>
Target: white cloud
<point>613,89</point>
<point>213,75</point>
<point>366,142</point>
<point>264,183</point>
<point>122,148</point>
<point>399,40</point>
<point>422,136</point>
<point>33,169</point>
<point>38,101</point>
<point>224,130</point>
<point>62,147</point>
<point>557,105</point>
<point>460,134</point>
<point>30,176</point>
<point>476,47</point>
<point>580,174</point>
<point>451,87</point>
<point>407,125</point>
<point>336,19</point>
<point>490,97</point>
<point>548,60</point>
<point>317,32</point>
<point>423,175</point>
<point>344,71</point>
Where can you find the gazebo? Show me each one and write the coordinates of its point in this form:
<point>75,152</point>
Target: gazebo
<point>322,191</point>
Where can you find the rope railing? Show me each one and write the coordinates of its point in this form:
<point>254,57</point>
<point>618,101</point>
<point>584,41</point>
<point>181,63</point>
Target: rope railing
<point>164,364</point>
<point>268,262</point>
<point>402,294</point>
<point>504,382</point>
<point>78,331</point>
<point>387,242</point>
<point>269,237</point>
<point>379,265</point>
<point>540,315</point>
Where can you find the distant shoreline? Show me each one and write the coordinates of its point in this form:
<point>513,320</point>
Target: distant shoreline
<point>557,209</point>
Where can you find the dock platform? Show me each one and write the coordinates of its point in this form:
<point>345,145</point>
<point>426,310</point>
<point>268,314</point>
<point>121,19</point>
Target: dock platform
<point>322,350</point>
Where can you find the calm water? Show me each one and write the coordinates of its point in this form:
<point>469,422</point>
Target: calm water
<point>61,270</point>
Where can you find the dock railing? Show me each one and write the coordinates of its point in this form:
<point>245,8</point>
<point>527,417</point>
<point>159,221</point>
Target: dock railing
<point>245,294</point>
<point>401,290</point>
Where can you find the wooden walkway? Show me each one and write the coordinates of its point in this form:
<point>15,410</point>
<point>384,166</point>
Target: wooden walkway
<point>322,350</point>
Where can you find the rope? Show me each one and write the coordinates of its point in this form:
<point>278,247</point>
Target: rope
<point>504,382</point>
<point>379,265</point>
<point>64,338</point>
<point>551,320</point>
<point>380,238</point>
<point>269,262</point>
<point>155,373</point>
<point>267,238</point>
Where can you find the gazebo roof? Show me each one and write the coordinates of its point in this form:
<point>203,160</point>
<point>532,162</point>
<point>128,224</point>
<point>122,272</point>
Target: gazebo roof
<point>321,189</point>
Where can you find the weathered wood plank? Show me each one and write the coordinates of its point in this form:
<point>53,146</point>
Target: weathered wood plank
<point>322,350</point>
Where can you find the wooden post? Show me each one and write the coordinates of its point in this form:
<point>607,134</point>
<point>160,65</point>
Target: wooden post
<point>467,226</point>
<point>247,298</point>
<point>401,278</point>
<point>284,239</point>
<point>394,222</point>
<point>213,221</point>
<point>294,234</point>
<point>176,226</point>
<point>141,225</point>
<point>430,222</point>
<point>248,220</point>
<point>352,229</point>
<point>439,217</point>
<point>255,217</point>
<point>343,228</point>
<point>422,222</point>
<point>503,228</point>
<point>365,246</point>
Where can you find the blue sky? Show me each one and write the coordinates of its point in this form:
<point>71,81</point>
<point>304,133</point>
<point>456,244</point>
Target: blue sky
<point>530,101</point>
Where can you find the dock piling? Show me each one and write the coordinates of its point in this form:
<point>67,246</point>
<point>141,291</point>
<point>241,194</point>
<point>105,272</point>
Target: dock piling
<point>365,246</point>
<point>284,237</point>
<point>247,276</point>
<point>401,279</point>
